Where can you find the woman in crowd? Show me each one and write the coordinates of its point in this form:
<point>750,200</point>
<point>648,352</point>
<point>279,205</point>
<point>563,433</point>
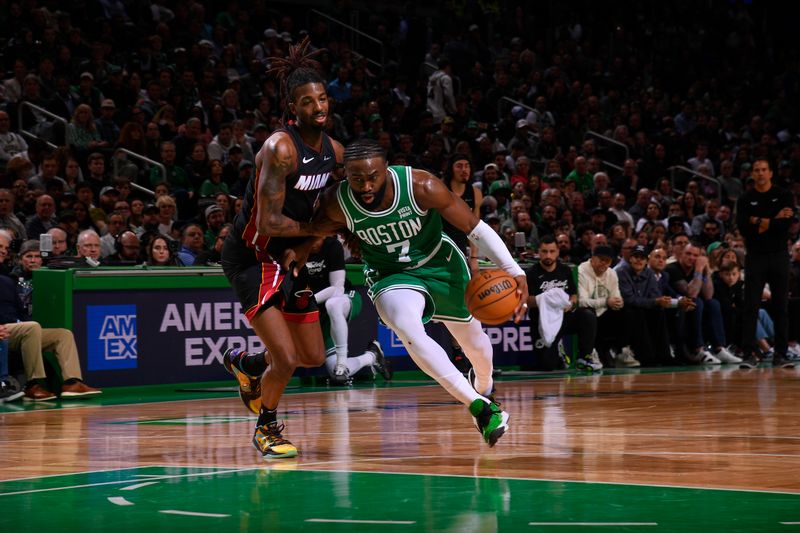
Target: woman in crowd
<point>159,252</point>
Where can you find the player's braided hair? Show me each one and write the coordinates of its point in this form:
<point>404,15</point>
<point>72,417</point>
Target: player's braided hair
<point>297,68</point>
<point>363,149</point>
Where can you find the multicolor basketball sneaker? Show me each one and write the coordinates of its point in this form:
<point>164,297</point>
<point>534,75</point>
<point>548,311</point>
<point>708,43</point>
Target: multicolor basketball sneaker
<point>249,386</point>
<point>381,366</point>
<point>269,441</point>
<point>490,420</point>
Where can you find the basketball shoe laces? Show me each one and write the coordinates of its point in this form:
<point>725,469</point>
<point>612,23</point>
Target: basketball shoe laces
<point>273,434</point>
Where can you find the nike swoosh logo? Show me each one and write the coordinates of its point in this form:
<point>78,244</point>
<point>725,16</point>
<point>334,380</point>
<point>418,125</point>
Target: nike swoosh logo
<point>326,158</point>
<point>310,159</point>
<point>449,256</point>
<point>774,199</point>
<point>360,220</point>
<point>753,203</point>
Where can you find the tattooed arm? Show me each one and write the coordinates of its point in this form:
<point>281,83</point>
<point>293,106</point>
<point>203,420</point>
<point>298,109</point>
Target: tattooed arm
<point>277,159</point>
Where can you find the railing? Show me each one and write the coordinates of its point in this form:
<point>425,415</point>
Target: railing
<point>38,111</point>
<point>141,158</point>
<point>680,176</point>
<point>355,38</point>
<point>608,142</point>
<point>506,102</point>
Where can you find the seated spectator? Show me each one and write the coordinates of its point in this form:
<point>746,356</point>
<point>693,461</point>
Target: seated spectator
<point>7,216</point>
<point>690,276</point>
<point>215,219</point>
<point>88,247</point>
<point>31,339</point>
<point>44,180</point>
<point>115,224</point>
<point>644,311</point>
<point>30,259</point>
<point>214,184</point>
<point>549,274</point>
<point>192,243</point>
<point>60,242</point>
<point>127,249</point>
<point>729,291</point>
<point>44,218</point>
<point>598,290</point>
<point>167,210</point>
<point>212,255</point>
<point>159,252</point>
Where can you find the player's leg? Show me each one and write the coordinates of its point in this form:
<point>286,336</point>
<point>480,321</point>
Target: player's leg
<point>478,349</point>
<point>402,310</point>
<point>338,308</point>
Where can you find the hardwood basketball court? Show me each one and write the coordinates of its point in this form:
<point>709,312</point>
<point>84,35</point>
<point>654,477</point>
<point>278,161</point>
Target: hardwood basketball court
<point>684,450</point>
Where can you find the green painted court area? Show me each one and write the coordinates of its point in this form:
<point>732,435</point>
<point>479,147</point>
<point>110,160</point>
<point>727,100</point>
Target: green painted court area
<point>276,498</point>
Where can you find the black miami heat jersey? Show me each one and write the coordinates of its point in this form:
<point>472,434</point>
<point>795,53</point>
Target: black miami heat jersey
<point>303,188</point>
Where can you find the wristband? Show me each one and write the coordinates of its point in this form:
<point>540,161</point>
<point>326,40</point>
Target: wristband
<point>673,302</point>
<point>698,275</point>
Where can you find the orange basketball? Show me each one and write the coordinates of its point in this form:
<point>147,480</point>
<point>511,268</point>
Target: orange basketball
<point>491,296</point>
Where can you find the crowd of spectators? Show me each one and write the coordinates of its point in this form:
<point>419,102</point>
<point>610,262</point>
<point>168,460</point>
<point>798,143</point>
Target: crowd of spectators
<point>574,122</point>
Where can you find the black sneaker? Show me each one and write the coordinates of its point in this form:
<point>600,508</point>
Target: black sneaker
<point>749,360</point>
<point>381,365</point>
<point>460,360</point>
<point>780,360</point>
<point>10,390</point>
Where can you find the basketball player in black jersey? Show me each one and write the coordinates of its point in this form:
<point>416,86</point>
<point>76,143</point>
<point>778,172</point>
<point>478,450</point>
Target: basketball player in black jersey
<point>458,178</point>
<point>292,168</point>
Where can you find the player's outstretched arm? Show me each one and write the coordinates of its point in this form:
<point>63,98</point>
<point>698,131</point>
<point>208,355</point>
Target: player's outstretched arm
<point>328,219</point>
<point>431,193</point>
<point>278,159</point>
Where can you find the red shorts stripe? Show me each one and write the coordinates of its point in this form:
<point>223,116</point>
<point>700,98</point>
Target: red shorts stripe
<point>271,279</point>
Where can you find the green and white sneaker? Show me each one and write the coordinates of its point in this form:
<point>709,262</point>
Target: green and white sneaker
<point>490,420</point>
<point>589,362</point>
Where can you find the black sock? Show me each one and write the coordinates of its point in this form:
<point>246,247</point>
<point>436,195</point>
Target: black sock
<point>70,381</point>
<point>255,363</point>
<point>267,416</point>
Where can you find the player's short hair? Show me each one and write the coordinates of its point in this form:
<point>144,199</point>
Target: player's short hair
<point>363,149</point>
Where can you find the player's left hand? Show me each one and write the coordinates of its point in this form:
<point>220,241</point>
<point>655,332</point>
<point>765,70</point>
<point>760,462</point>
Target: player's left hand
<point>522,291</point>
<point>289,257</point>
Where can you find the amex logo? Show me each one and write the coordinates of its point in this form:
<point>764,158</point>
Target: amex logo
<point>111,337</point>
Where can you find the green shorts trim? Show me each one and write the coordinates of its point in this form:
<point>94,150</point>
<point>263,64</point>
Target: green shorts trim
<point>442,281</point>
<point>356,305</point>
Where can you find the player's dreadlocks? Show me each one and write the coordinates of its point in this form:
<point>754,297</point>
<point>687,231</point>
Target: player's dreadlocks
<point>297,68</point>
<point>363,149</point>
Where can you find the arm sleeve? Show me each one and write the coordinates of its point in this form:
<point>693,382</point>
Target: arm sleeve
<point>336,287</point>
<point>490,245</point>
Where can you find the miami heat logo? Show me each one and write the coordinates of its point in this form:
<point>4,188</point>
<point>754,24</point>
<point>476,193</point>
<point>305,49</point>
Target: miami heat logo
<point>302,298</point>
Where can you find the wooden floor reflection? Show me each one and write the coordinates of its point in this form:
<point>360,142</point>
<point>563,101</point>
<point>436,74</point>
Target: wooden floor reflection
<point>717,428</point>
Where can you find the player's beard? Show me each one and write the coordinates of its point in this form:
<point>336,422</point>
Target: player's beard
<point>547,262</point>
<point>377,197</point>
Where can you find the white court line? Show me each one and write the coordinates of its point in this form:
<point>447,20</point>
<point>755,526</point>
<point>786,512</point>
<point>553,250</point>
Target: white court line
<point>599,524</point>
<point>119,500</point>
<point>791,523</point>
<point>139,485</point>
<point>190,513</point>
<point>53,489</point>
<point>334,521</point>
<point>72,473</point>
